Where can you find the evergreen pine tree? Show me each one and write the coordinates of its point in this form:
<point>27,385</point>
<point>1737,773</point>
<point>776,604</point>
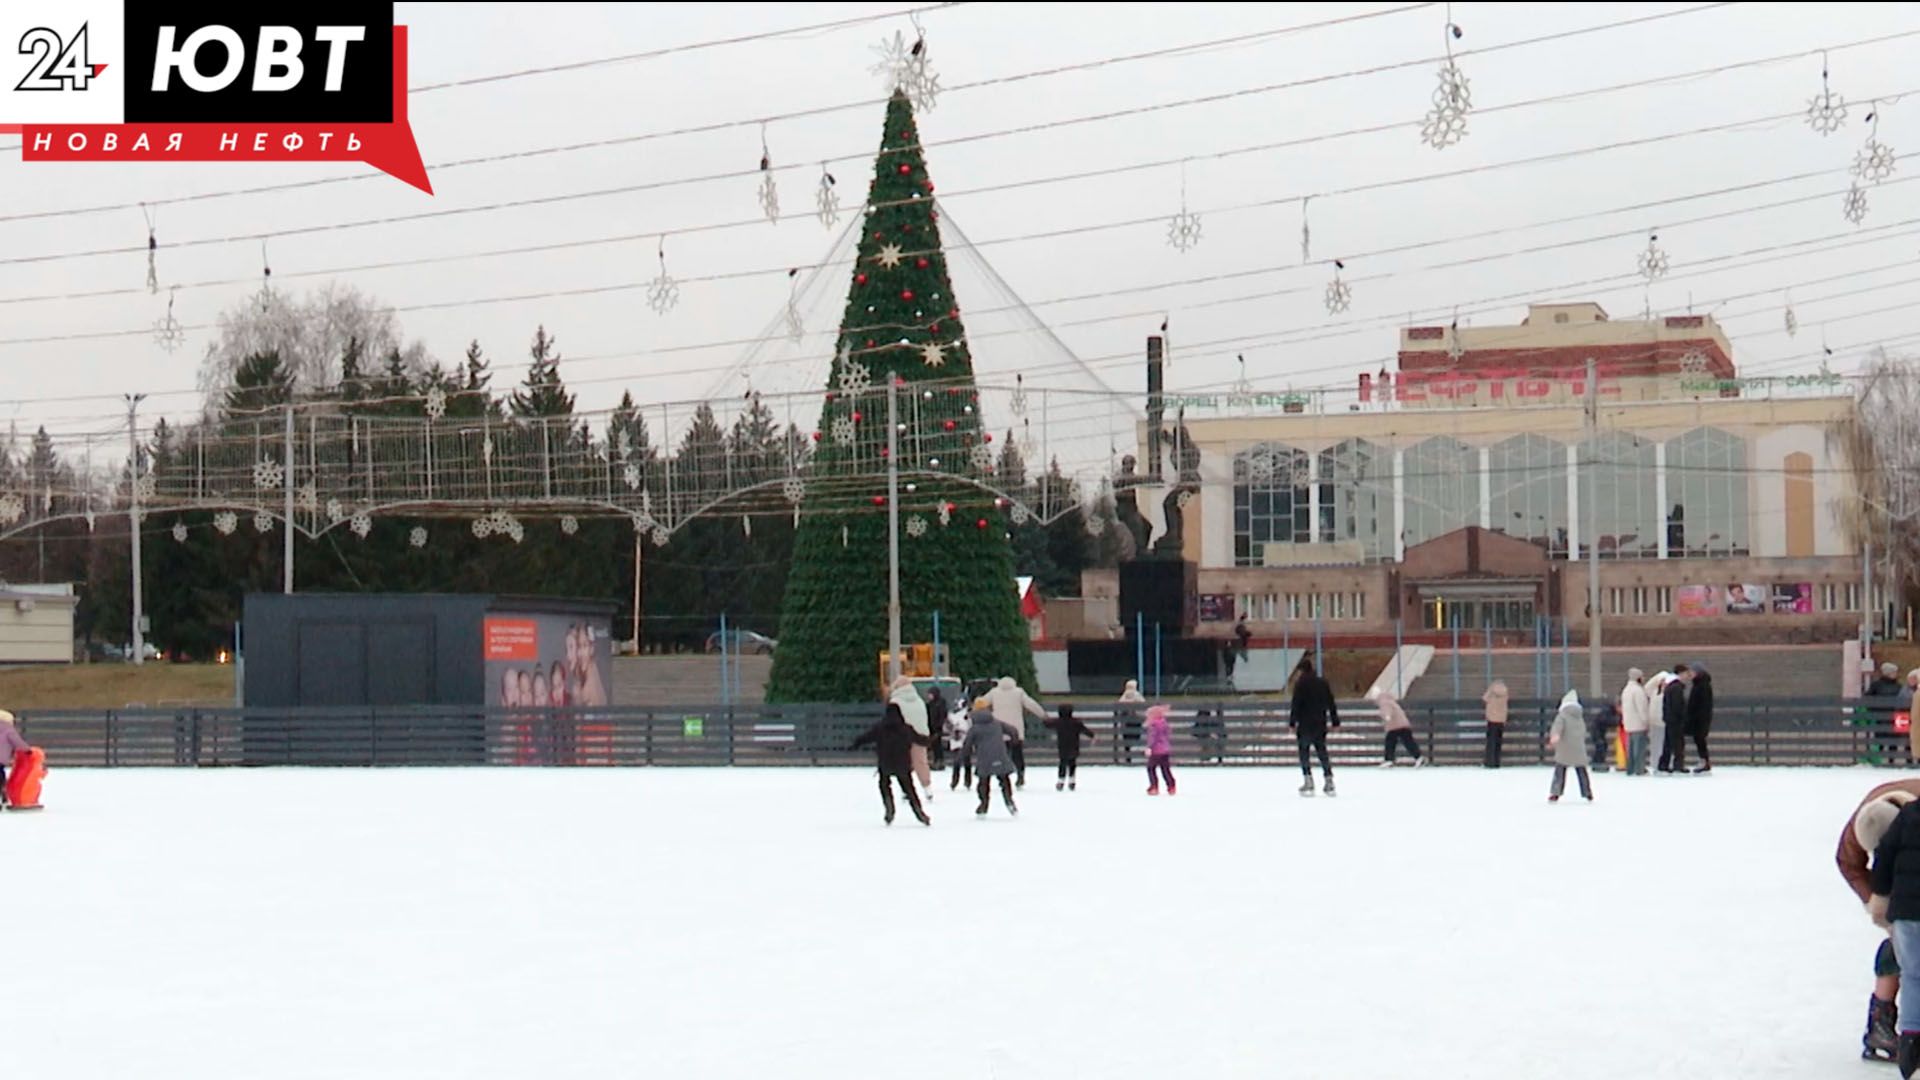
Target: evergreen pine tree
<point>901,322</point>
<point>542,394</point>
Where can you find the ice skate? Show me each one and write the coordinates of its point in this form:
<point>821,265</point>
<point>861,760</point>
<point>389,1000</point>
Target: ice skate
<point>1908,1055</point>
<point>1306,788</point>
<point>889,815</point>
<point>1073,785</point>
<point>1419,762</point>
<point>1703,769</point>
<point>1173,788</point>
<point>1881,1042</point>
<point>1328,786</point>
<point>981,810</point>
<point>1059,785</point>
<point>1553,798</point>
<point>922,815</point>
<point>1154,790</point>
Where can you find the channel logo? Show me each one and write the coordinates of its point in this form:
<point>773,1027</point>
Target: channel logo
<point>122,80</point>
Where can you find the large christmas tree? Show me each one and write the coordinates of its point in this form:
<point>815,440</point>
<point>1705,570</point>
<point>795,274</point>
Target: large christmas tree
<point>902,326</point>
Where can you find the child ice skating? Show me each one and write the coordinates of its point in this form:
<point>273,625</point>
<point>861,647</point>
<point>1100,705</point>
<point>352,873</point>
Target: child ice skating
<point>1159,736</point>
<point>1068,731</point>
<point>892,741</point>
<point>1399,728</point>
<point>1567,738</point>
<point>11,744</point>
<point>1895,905</point>
<point>959,722</point>
<point>1866,826</point>
<point>987,746</point>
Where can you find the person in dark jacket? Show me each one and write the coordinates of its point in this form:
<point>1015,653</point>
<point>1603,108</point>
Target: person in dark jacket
<point>1068,732</point>
<point>1700,715</point>
<point>1312,712</point>
<point>937,711</point>
<point>987,745</point>
<point>892,741</point>
<point>1895,905</point>
<point>1888,682</point>
<point>1673,713</point>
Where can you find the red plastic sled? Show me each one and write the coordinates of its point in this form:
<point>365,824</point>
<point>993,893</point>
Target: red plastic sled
<point>23,780</point>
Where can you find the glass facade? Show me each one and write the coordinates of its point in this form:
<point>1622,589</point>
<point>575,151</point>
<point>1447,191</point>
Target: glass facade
<point>1271,503</point>
<point>1527,486</point>
<point>1356,502</point>
<point>1626,511</point>
<point>1707,490</point>
<point>1497,613</point>
<point>1442,488</point>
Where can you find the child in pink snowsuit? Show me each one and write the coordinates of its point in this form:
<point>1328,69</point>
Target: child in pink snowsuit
<point>1159,738</point>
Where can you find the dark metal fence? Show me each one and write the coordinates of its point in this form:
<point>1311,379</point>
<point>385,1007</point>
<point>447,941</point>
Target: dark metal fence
<point>1772,732</point>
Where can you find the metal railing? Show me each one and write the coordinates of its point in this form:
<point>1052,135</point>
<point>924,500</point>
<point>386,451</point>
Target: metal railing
<point>1769,732</point>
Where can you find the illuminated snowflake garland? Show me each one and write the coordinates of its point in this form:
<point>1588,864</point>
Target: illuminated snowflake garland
<point>436,403</point>
<point>916,526</point>
<point>570,525</point>
<point>663,292</point>
<point>826,200</point>
<point>12,509</point>
<point>268,474</point>
<point>225,522</point>
<point>855,378</point>
<point>906,69</point>
<point>180,532</point>
<point>1653,261</point>
<point>843,431</point>
<point>417,537</point>
<point>1339,295</point>
<point>361,525</point>
<point>793,489</point>
<point>262,522</point>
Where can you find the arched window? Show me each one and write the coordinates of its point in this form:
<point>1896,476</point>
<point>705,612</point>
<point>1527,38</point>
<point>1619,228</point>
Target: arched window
<point>1442,488</point>
<point>1707,490</point>
<point>1356,497</point>
<point>1271,504</point>
<point>1626,512</point>
<point>1527,491</point>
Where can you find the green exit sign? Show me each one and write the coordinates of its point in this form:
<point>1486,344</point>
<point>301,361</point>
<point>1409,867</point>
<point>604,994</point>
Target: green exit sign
<point>693,727</point>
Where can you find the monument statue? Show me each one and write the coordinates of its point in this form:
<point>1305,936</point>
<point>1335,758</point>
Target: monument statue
<point>1186,464</point>
<point>1126,500</point>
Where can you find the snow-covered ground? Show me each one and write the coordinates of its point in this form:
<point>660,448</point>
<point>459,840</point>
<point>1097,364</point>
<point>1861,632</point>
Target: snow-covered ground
<point>761,923</point>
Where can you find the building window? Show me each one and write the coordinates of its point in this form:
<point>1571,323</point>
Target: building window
<point>1640,600</point>
<point>1270,501</point>
<point>1663,600</point>
<point>1621,469</point>
<point>1442,486</point>
<point>1269,604</point>
<point>1614,598</point>
<point>1360,605</point>
<point>1829,598</point>
<point>1293,605</point>
<point>1707,490</point>
<point>1527,491</point>
<point>1356,498</point>
<point>1340,605</point>
<point>1853,597</point>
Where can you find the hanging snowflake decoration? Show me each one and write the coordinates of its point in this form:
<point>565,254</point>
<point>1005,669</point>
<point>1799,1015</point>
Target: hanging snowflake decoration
<point>1183,229</point>
<point>267,474</point>
<point>1339,294</point>
<point>793,489</point>
<point>1306,233</point>
<point>486,448</point>
<point>1260,468</point>
<point>846,536</point>
<point>262,522</point>
<point>1653,261</point>
<point>1299,471</point>
<point>225,522</point>
<point>933,354</point>
<point>1792,321</point>
<point>180,532</point>
<point>855,378</point>
<point>916,526</point>
<point>167,331</point>
<point>1019,514</point>
<point>153,250</point>
<point>516,532</point>
<point>1017,402</point>
<point>1854,209</point>
<point>89,519</point>
<point>982,457</point>
<point>661,536</point>
<point>307,498</point>
<point>631,474</point>
<point>1184,499</point>
<point>1096,525</point>
<point>905,68</point>
<point>796,326</point>
<point>12,509</point>
<point>1875,161</point>
<point>643,523</point>
<point>1695,363</point>
<point>417,537</point>
<point>1826,111</point>
<point>336,513</point>
<point>436,403</point>
<point>843,431</point>
<point>482,527</point>
<point>826,200</point>
<point>769,193</point>
<point>663,292</point>
<point>1241,395</point>
<point>144,486</point>
<point>946,513</point>
<point>1446,122</point>
<point>361,525</point>
<point>570,525</point>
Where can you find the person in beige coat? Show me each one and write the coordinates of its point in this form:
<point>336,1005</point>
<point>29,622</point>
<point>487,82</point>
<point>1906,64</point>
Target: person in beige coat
<point>1567,738</point>
<point>1495,699</point>
<point>1636,711</point>
<point>914,708</point>
<point>1399,729</point>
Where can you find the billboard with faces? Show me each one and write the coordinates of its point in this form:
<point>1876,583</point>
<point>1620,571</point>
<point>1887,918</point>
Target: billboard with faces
<point>539,661</point>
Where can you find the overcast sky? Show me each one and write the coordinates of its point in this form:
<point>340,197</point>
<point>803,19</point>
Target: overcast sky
<point>1288,336</point>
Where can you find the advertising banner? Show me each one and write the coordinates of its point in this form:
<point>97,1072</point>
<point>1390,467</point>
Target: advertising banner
<point>1747,599</point>
<point>1216,607</point>
<point>536,661</point>
<point>1695,601</point>
<point>1793,599</point>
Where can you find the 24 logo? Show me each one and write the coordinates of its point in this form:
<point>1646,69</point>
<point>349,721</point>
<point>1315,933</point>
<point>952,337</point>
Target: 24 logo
<point>57,64</point>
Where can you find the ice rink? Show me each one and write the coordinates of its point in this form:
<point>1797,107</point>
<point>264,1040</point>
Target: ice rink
<point>762,923</point>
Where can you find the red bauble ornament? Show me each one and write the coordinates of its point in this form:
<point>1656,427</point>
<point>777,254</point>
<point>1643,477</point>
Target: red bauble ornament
<point>920,264</point>
<point>982,523</point>
<point>951,507</point>
<point>929,187</point>
<point>953,313</point>
<point>988,436</point>
<point>879,235</point>
<point>829,395</point>
<point>816,436</point>
<point>935,328</point>
<point>906,170</point>
<point>859,279</point>
<point>857,417</point>
<point>950,425</point>
<point>906,294</point>
<point>879,500</point>
<point>907,227</point>
<point>884,452</point>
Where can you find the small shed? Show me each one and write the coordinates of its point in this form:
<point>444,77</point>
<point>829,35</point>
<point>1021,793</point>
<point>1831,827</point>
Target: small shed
<point>36,623</point>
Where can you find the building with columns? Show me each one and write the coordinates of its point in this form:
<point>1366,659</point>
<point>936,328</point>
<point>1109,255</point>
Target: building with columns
<point>1453,493</point>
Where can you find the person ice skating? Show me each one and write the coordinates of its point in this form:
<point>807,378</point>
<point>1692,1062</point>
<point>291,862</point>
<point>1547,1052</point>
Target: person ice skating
<point>1636,710</point>
<point>1311,713</point>
<point>1159,736</point>
<point>987,744</point>
<point>914,710</point>
<point>1067,732</point>
<point>1895,905</point>
<point>937,721</point>
<point>1656,725</point>
<point>1864,830</point>
<point>1673,713</point>
<point>892,740</point>
<point>1567,738</point>
<point>958,724</point>
<point>10,744</point>
<point>1010,705</point>
<point>1399,729</point>
<point>1128,710</point>
<point>1495,699</point>
<point>1700,715</point>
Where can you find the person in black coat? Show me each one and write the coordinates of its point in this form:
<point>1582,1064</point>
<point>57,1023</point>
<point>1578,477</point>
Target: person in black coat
<point>1700,715</point>
<point>1068,732</point>
<point>1673,713</point>
<point>1312,712</point>
<point>1895,907</point>
<point>891,740</point>
<point>937,712</point>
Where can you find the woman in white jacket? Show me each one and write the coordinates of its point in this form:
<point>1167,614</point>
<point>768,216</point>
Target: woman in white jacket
<point>1636,716</point>
<point>914,708</point>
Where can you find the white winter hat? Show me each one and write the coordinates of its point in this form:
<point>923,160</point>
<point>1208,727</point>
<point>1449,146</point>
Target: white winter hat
<point>1889,668</point>
<point>5,717</point>
<point>1873,820</point>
